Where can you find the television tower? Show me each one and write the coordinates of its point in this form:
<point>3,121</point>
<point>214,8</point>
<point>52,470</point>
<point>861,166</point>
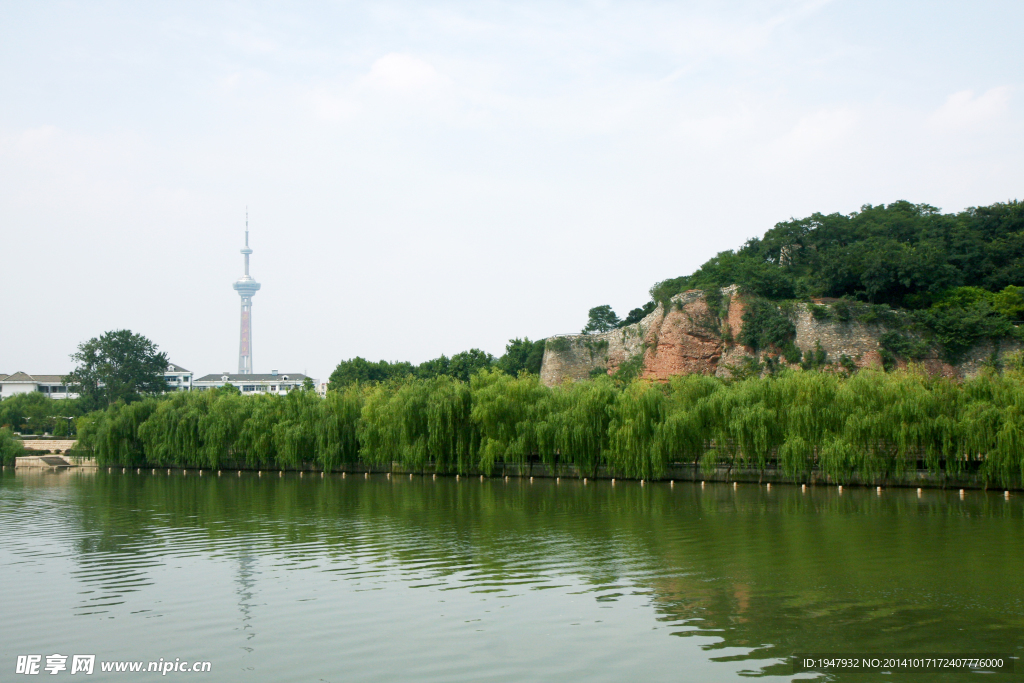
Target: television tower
<point>246,287</point>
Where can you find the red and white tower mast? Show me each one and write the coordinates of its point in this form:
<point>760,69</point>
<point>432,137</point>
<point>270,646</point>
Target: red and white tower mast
<point>246,288</point>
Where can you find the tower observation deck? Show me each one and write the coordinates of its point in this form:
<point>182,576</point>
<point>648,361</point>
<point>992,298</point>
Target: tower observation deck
<point>246,288</point>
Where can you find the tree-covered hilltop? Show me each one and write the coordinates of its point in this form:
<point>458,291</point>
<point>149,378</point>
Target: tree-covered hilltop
<point>904,255</point>
<point>959,275</point>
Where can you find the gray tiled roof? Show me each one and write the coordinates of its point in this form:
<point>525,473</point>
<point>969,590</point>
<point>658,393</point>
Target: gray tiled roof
<point>39,379</point>
<point>280,377</point>
<point>19,377</point>
<point>48,379</point>
<point>171,367</point>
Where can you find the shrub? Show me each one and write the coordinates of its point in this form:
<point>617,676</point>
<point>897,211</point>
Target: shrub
<point>765,325</point>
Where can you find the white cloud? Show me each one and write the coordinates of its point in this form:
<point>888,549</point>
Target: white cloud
<point>963,111</point>
<point>402,73</point>
<point>816,133</point>
<point>330,105</point>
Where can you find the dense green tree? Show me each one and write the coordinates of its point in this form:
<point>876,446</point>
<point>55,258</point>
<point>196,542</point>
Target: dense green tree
<point>464,365</point>
<point>901,254</point>
<point>117,366</point>
<point>360,370</point>
<point>601,319</point>
<point>461,365</point>
<point>522,355</point>
<point>10,446</point>
<point>638,314</point>
<point>37,413</point>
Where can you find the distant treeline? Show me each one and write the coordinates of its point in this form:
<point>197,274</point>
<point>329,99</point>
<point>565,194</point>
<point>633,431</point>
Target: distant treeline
<point>871,424</point>
<point>520,355</point>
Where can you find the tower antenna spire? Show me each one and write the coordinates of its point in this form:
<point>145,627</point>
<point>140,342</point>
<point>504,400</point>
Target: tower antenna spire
<point>246,288</point>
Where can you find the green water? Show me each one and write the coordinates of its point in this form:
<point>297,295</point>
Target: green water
<point>332,579</point>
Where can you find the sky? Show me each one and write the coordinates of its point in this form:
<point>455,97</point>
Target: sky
<point>423,178</point>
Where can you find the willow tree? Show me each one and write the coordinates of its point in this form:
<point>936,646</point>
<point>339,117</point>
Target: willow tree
<point>221,426</point>
<point>336,430</point>
<point>575,428</point>
<point>505,412</point>
<point>634,447</point>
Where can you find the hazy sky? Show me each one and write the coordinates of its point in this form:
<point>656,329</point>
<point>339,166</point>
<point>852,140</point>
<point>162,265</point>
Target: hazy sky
<point>427,177</point>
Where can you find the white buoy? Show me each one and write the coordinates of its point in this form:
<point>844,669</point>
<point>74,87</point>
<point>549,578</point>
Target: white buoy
<point>168,470</point>
<point>389,475</point>
<point>239,472</point>
<point>109,470</point>
<point>343,475</point>
<point>641,482</point>
<point>259,473</point>
<point>184,473</point>
<point>506,477</point>
<point>138,470</point>
<point>1006,495</point>
<point>558,480</point>
<point>735,484</point>
<point>321,475</point>
<point>154,471</point>
<point>481,477</point>
<point>613,481</point>
<point>366,475</point>
<point>531,480</point>
<point>961,493</point>
<point>410,476</point>
<point>803,487</point>
<point>585,483</point>
<point>840,489</point>
<point>435,476</point>
<point>769,486</point>
<point>672,483</point>
<point>919,493</point>
<point>300,474</point>
<point>200,473</point>
<point>218,473</point>
<point>702,484</point>
<point>456,477</point>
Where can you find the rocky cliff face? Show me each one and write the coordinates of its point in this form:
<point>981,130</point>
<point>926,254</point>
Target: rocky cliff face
<point>698,333</point>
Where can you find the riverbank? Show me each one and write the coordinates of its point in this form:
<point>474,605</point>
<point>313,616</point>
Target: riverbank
<point>682,473</point>
<point>873,428</point>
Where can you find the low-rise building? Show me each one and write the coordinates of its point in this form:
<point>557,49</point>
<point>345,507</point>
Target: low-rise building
<point>177,378</point>
<point>274,383</point>
<point>23,383</point>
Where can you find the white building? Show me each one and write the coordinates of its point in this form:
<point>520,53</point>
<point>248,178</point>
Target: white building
<point>274,383</point>
<point>23,383</point>
<point>177,378</point>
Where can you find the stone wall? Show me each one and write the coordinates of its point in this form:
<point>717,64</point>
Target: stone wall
<point>692,338</point>
<point>52,445</point>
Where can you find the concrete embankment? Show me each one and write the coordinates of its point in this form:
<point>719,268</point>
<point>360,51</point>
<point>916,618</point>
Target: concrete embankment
<point>52,461</point>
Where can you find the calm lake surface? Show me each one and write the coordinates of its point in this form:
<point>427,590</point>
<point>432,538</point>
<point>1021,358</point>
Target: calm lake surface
<point>332,579</point>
